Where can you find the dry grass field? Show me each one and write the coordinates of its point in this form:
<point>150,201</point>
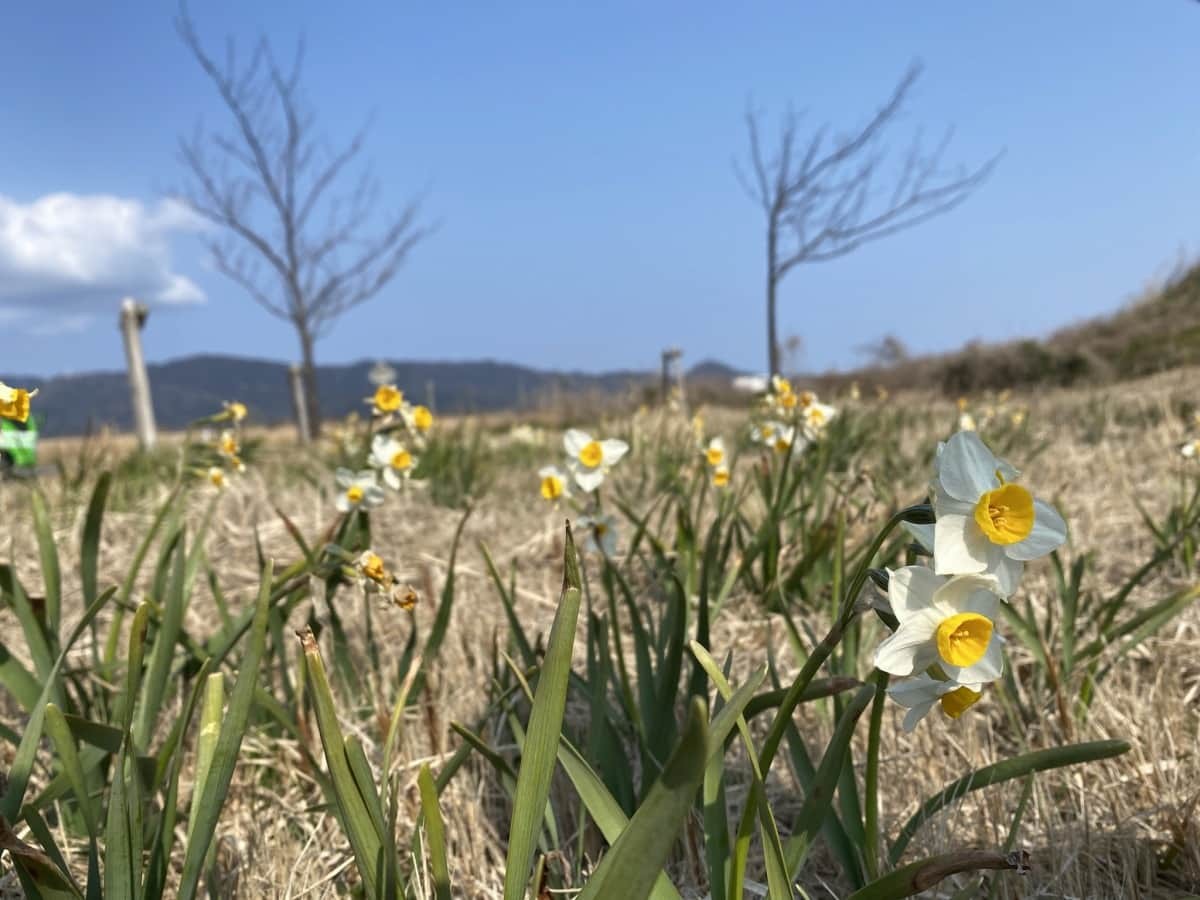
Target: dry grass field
<point>1127,826</point>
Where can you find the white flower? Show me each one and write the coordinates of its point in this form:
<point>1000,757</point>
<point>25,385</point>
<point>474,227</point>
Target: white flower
<point>948,622</point>
<point>357,489</point>
<point>1189,449</point>
<point>714,453</point>
<point>601,533</point>
<point>394,462</point>
<point>816,416</point>
<point>966,422</point>
<point>588,459</point>
<point>985,523</point>
<point>920,692</point>
<point>554,483</point>
<point>720,475</point>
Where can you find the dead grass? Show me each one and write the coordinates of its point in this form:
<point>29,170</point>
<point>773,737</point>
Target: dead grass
<point>1105,830</point>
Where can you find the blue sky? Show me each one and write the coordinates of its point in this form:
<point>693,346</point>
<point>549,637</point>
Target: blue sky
<point>578,159</point>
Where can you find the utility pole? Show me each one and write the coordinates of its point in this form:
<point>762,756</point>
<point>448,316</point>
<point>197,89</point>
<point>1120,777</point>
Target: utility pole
<point>133,317</point>
<point>672,376</point>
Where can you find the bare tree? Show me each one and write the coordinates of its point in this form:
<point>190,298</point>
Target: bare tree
<point>297,231</point>
<point>822,196</point>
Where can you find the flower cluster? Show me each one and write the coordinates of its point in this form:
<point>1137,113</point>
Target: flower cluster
<point>397,430</point>
<point>793,419</point>
<point>986,528</point>
<point>588,463</point>
<point>717,459</point>
<point>228,444</point>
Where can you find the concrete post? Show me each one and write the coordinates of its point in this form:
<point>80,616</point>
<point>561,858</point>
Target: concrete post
<point>133,317</point>
<point>672,376</point>
<point>296,377</point>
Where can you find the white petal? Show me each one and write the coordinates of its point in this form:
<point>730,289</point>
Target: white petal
<point>987,669</point>
<point>959,595</point>
<point>1049,533</point>
<point>945,505</point>
<point>391,478</point>
<point>916,714</point>
<point>967,468</point>
<point>575,440</point>
<point>922,534</point>
<point>588,480</point>
<point>341,502</point>
<point>959,546</point>
<point>344,478</point>
<point>911,648</point>
<point>1006,570</point>
<point>612,450</point>
<point>911,589</point>
<point>373,495</point>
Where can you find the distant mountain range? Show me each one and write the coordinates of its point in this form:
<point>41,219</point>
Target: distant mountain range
<point>187,389</point>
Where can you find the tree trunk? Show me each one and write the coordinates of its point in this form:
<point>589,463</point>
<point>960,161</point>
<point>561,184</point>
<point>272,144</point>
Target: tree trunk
<point>772,282</point>
<point>308,366</point>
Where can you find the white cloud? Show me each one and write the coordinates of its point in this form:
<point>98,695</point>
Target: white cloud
<point>66,257</point>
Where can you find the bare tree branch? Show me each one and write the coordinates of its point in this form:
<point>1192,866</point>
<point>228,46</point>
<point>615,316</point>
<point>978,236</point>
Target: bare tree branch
<point>300,241</point>
<point>826,200</point>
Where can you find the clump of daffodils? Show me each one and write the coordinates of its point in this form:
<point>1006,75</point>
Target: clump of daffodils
<point>222,453</point>
<point>717,459</point>
<point>946,644</point>
<point>14,402</point>
<point>793,418</point>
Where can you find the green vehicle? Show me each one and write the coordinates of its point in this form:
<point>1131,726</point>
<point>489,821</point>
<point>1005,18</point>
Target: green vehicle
<point>18,446</point>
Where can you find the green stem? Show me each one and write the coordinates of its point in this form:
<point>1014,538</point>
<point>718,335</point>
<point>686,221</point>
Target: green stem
<point>871,777</point>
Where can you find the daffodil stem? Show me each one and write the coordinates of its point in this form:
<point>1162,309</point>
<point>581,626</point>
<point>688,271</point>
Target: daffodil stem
<point>871,778</point>
<point>821,652</point>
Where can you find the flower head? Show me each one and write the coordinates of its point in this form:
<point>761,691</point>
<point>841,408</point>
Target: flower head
<point>589,459</point>
<point>234,411</point>
<point>1190,449</point>
<point>720,476</point>
<point>714,453</point>
<point>922,691</point>
<point>357,489</point>
<point>815,416</point>
<point>947,622</point>
<point>14,402</point>
<point>601,533</point>
<point>554,483</point>
<point>392,459</point>
<point>418,418</point>
<point>228,445</point>
<point>216,477</point>
<point>986,522</point>
<point>387,399</point>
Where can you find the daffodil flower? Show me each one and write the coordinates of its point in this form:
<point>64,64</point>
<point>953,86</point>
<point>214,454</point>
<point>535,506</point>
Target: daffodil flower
<point>589,459</point>
<point>919,694</point>
<point>714,453</point>
<point>357,490</point>
<point>784,438</point>
<point>986,522</point>
<point>1190,449</point>
<point>216,477</point>
<point>720,476</point>
<point>815,416</point>
<point>948,622</point>
<point>554,483</point>
<point>394,462</point>
<point>417,418</point>
<point>227,445</point>
<point>14,402</point>
<point>233,410</point>
<point>601,533</point>
<point>387,399</point>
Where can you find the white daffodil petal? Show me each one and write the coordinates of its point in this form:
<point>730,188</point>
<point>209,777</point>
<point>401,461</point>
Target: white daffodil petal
<point>913,717</point>
<point>989,668</point>
<point>922,534</point>
<point>343,478</point>
<point>958,593</point>
<point>911,589</point>
<point>945,505</point>
<point>911,647</point>
<point>373,495</point>
<point>612,450</point>
<point>575,440</point>
<point>959,546</point>
<point>967,468</point>
<point>1049,533</point>
<point>1006,570</point>
<point>588,480</point>
<point>392,478</point>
